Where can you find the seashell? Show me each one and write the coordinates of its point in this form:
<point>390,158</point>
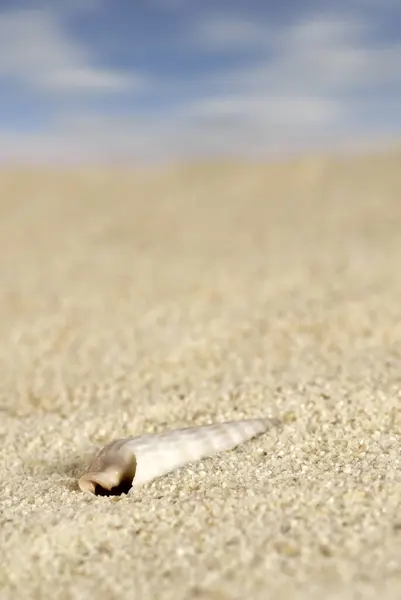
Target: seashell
<point>125,464</point>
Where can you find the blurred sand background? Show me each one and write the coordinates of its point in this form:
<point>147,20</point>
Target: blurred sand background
<point>140,301</point>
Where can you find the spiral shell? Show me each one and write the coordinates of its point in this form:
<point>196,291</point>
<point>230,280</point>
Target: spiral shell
<point>125,464</point>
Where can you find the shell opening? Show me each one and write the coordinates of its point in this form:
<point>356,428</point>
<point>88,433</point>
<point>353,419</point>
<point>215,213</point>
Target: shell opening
<point>119,490</point>
<point>111,473</point>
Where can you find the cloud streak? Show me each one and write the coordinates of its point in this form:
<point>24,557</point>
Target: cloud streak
<point>36,51</point>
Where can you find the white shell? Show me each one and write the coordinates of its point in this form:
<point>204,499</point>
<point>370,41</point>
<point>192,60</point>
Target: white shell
<point>130,462</point>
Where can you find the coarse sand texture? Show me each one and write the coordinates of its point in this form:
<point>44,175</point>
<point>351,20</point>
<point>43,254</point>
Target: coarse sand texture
<point>137,302</point>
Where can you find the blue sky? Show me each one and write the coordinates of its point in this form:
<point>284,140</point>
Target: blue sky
<point>166,79</point>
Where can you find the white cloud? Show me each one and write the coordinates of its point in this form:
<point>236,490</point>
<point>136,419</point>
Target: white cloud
<point>36,51</point>
<point>304,86</point>
<point>167,5</point>
<point>88,78</point>
<point>227,32</point>
<point>321,32</point>
<point>273,111</point>
<point>72,7</point>
<point>334,53</point>
<point>317,56</point>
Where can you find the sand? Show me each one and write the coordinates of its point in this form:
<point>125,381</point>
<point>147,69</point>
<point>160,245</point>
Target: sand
<point>133,302</point>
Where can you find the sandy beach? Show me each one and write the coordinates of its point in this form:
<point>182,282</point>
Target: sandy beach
<point>134,302</point>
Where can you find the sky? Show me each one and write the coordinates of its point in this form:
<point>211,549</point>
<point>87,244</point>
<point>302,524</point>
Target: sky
<point>156,80</point>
